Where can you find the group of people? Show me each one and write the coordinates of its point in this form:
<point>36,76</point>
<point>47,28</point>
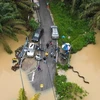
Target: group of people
<point>46,54</point>
<point>52,53</point>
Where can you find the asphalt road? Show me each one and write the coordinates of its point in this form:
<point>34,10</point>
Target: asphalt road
<point>46,76</point>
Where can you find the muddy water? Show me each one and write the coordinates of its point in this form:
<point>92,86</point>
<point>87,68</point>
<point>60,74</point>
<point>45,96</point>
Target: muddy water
<point>87,62</point>
<point>10,81</point>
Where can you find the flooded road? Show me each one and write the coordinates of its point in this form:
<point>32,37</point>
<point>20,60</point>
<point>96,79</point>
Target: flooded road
<point>10,81</point>
<point>87,63</point>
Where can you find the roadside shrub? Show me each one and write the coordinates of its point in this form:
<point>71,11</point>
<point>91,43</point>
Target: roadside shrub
<point>67,90</point>
<point>64,67</point>
<point>33,24</point>
<point>58,82</point>
<point>89,37</point>
<point>78,44</point>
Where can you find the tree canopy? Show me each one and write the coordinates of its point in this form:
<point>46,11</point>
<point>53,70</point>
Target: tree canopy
<point>11,16</point>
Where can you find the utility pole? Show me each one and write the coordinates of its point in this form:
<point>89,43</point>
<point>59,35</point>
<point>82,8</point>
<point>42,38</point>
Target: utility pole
<point>69,59</point>
<point>21,72</point>
<point>21,55</point>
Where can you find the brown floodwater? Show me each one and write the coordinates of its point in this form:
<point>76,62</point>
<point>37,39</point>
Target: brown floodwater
<point>87,62</point>
<point>10,81</point>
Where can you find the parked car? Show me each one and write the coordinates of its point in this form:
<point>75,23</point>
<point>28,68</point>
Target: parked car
<point>37,35</point>
<point>38,57</point>
<point>54,31</point>
<point>31,50</point>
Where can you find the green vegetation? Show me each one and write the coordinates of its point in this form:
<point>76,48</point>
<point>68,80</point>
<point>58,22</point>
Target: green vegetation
<point>67,90</point>
<point>33,24</point>
<point>22,95</point>
<point>35,97</point>
<point>60,66</point>
<point>13,17</point>
<point>77,31</point>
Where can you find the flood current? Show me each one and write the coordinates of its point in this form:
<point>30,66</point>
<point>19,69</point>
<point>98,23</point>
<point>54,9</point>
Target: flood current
<point>86,62</point>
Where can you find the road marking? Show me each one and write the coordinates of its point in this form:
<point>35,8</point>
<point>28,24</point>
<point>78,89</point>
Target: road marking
<point>33,76</point>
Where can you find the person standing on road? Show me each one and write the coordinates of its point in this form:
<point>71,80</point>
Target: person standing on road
<point>51,53</point>
<point>47,45</point>
<point>51,43</point>
<point>39,69</point>
<point>44,59</point>
<point>46,54</point>
<point>54,58</point>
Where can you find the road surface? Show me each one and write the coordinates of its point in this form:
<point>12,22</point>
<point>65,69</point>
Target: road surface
<point>46,76</point>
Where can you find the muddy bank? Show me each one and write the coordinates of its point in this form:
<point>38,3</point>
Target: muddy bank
<point>87,63</point>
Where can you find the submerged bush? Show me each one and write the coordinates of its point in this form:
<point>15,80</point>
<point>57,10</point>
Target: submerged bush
<point>22,94</point>
<point>6,47</point>
<point>67,90</point>
<point>78,43</point>
<point>89,37</point>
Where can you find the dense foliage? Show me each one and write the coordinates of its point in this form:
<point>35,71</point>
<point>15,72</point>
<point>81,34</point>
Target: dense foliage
<point>88,9</point>
<point>60,66</point>
<point>22,95</point>
<point>77,31</point>
<point>13,14</point>
<point>33,24</point>
<point>67,90</point>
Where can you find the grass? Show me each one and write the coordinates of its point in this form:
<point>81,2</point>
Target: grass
<point>71,26</point>
<point>80,36</point>
<point>64,67</point>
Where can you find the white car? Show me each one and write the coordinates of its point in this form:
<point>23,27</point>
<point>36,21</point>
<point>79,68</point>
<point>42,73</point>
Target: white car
<point>55,34</point>
<point>31,50</point>
<point>38,57</point>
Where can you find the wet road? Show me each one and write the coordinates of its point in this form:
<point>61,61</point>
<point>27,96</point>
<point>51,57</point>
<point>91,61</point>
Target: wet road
<point>45,76</point>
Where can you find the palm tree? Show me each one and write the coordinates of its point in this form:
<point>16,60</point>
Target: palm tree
<point>9,18</point>
<point>25,7</point>
<point>92,11</point>
<point>86,9</point>
<point>22,95</point>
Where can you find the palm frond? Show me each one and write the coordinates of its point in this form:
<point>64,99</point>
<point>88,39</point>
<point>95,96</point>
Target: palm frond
<point>27,2</point>
<point>8,32</point>
<point>6,46</point>
<point>23,6</point>
<point>5,19</point>
<point>16,22</point>
<point>93,4</point>
<point>24,32</point>
<point>96,20</point>
<point>20,29</point>
<point>1,31</point>
<point>90,12</point>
